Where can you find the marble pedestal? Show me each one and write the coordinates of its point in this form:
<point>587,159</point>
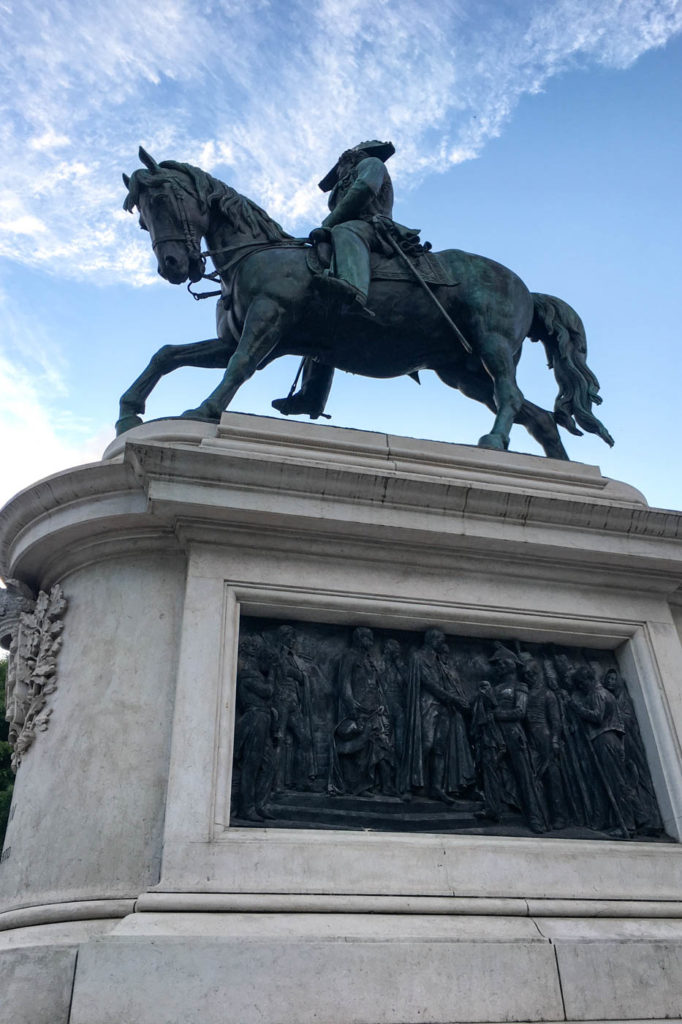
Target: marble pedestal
<point>125,896</point>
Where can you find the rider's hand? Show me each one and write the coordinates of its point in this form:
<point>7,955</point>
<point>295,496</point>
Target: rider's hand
<point>318,235</point>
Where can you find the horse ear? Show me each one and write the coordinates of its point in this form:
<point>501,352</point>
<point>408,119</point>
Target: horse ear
<point>149,161</point>
<point>126,181</point>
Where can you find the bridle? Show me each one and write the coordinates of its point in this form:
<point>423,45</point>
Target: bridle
<point>196,255</point>
<point>187,237</point>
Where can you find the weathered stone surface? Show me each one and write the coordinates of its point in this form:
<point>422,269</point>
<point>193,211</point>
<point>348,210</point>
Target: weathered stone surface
<point>37,967</point>
<point>36,984</point>
<point>300,969</point>
<point>618,969</point>
<point>88,804</point>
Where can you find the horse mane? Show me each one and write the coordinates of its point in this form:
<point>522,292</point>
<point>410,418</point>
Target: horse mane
<point>243,215</point>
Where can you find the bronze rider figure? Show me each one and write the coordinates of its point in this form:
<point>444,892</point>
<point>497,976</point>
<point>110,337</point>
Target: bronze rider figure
<point>360,189</point>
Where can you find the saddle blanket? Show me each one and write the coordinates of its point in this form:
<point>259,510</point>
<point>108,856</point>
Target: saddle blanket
<point>393,268</point>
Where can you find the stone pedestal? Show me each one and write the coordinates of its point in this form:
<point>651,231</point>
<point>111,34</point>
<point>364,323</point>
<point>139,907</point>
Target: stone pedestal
<point>126,896</point>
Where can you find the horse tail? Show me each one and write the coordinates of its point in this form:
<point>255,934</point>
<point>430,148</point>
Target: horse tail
<point>561,331</point>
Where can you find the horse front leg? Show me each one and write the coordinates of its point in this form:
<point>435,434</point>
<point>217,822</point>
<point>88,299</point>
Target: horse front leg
<point>210,354</point>
<point>497,358</point>
<point>261,332</point>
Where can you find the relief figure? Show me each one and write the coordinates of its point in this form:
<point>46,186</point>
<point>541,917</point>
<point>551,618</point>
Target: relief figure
<point>646,811</point>
<point>382,730</point>
<point>489,749</point>
<point>543,726</point>
<point>598,708</point>
<point>439,753</point>
<point>362,749</point>
<point>394,685</point>
<point>584,800</point>
<point>294,757</point>
<point>511,695</point>
<point>253,748</point>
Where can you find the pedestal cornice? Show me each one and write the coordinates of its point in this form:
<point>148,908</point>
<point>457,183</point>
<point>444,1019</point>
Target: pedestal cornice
<point>316,485</point>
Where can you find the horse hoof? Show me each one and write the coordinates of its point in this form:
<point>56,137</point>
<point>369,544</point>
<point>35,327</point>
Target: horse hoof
<point>492,441</point>
<point>127,423</point>
<point>203,412</point>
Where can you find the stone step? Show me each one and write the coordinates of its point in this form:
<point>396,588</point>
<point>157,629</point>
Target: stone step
<point>376,804</point>
<point>322,810</point>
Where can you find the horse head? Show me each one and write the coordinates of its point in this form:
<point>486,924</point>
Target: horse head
<point>173,200</point>
<point>180,204</point>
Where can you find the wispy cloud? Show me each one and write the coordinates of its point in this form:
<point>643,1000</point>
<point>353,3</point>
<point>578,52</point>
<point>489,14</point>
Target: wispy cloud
<point>266,94</point>
<point>38,437</point>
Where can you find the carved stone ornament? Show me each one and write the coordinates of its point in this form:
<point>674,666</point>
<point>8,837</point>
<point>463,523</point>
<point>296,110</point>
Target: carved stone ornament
<point>15,598</point>
<point>358,728</point>
<point>32,669</point>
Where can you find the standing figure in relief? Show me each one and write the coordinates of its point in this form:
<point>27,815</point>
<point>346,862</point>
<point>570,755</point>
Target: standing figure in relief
<point>510,713</point>
<point>585,801</point>
<point>604,725</point>
<point>489,750</point>
<point>436,737</point>
<point>362,749</point>
<point>460,770</point>
<point>543,726</point>
<point>394,685</point>
<point>647,816</point>
<point>293,732</point>
<point>253,732</point>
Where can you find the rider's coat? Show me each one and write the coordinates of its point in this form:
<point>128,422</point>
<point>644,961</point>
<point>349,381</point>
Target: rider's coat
<point>361,195</point>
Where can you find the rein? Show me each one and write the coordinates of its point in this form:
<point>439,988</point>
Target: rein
<point>194,253</point>
<point>250,247</point>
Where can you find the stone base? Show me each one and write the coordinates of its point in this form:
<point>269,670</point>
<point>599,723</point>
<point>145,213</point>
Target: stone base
<point>126,897</point>
<point>217,967</point>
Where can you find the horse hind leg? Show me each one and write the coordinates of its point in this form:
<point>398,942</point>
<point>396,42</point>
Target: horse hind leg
<point>211,354</point>
<point>496,354</point>
<point>538,422</point>
<point>541,425</point>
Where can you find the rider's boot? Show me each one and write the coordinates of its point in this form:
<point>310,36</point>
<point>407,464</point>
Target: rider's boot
<point>345,294</point>
<point>348,280</point>
<point>295,405</point>
<point>312,397</point>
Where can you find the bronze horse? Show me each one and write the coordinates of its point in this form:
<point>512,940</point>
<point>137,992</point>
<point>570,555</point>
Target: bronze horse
<point>271,307</point>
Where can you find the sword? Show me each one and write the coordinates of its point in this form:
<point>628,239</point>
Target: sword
<point>394,245</point>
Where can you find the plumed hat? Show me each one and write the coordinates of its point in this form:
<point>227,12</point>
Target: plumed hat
<point>373,148</point>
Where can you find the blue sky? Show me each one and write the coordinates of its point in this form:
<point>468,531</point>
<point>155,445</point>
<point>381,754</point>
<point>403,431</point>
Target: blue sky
<point>543,134</point>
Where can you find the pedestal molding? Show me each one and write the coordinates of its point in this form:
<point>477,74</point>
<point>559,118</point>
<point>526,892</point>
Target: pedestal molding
<point>53,913</point>
<point>196,902</point>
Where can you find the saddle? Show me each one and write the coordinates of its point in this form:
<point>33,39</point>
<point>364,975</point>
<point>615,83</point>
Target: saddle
<point>388,268</point>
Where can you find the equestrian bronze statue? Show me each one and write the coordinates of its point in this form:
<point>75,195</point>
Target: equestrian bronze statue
<point>361,294</point>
